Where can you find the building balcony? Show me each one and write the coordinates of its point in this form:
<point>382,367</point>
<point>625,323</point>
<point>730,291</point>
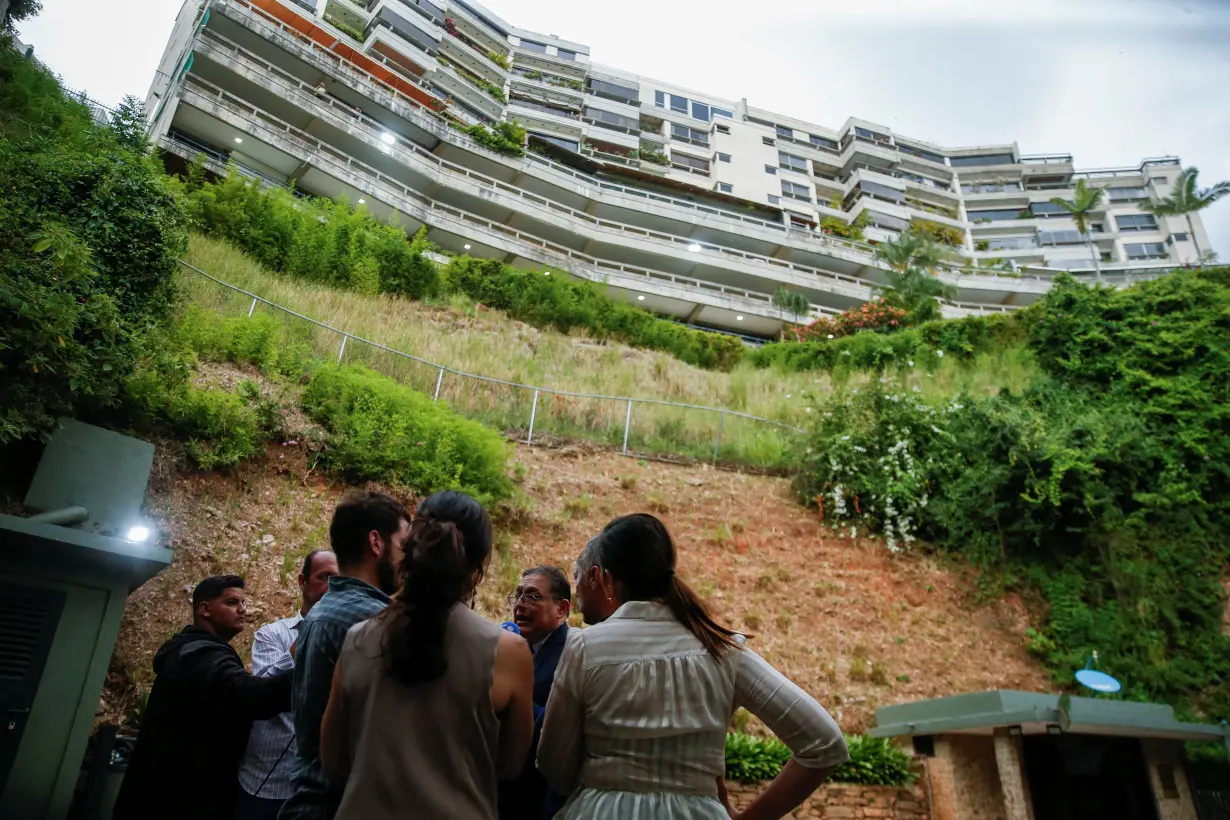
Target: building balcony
<point>549,63</point>
<point>463,84</point>
<point>491,65</point>
<point>569,121</point>
<point>549,84</point>
<point>477,30</point>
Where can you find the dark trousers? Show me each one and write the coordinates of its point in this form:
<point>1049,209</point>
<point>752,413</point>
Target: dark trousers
<point>248,807</point>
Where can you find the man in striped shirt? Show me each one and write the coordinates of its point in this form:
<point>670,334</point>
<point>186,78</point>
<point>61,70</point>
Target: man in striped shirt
<point>268,765</point>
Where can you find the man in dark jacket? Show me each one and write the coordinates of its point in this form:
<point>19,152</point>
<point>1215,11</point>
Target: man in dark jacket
<point>199,715</point>
<point>540,605</point>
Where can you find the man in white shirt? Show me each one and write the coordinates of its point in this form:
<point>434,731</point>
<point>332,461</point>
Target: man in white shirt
<point>267,770</point>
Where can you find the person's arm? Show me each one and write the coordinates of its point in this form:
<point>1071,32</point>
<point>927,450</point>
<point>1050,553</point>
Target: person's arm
<point>811,734</point>
<point>512,698</point>
<point>235,693</point>
<point>560,745</point>
<point>270,655</point>
<point>334,739</point>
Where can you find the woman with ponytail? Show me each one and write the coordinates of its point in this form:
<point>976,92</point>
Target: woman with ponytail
<point>636,723</point>
<point>431,703</point>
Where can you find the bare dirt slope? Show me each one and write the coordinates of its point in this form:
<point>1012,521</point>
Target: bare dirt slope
<point>854,625</point>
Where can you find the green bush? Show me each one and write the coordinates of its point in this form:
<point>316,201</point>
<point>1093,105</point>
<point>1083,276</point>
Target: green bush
<point>551,301</point>
<point>259,340</point>
<point>506,137</point>
<point>89,234</point>
<point>381,430</point>
<point>1104,485</point>
<point>964,339</point>
<point>873,761</point>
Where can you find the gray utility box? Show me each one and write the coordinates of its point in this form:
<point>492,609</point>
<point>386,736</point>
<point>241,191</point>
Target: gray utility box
<point>64,578</point>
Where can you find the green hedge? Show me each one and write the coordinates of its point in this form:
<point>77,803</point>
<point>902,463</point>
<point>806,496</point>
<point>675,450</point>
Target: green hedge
<point>963,339</point>
<point>873,761</point>
<point>381,430</point>
<point>552,301</point>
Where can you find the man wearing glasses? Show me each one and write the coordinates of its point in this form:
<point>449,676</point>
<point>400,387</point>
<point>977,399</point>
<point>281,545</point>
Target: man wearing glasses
<point>540,607</point>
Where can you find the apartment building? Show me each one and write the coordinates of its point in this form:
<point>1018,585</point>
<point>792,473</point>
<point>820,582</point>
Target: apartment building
<point>691,205</point>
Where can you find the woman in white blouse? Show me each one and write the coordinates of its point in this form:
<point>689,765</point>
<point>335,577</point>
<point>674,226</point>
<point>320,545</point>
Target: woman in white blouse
<point>636,724</point>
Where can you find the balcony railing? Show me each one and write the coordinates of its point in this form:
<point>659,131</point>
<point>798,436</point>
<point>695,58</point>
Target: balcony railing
<point>545,109</point>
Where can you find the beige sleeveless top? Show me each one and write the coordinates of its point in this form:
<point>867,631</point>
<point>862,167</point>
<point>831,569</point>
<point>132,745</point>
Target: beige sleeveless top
<point>425,751</point>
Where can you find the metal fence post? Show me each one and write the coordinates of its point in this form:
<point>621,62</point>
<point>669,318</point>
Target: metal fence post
<point>718,444</point>
<point>252,308</point>
<point>533,412</point>
<point>627,425</point>
<point>439,379</point>
<point>342,350</point>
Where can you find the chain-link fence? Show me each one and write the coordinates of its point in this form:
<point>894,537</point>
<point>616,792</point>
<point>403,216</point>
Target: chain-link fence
<point>530,413</point>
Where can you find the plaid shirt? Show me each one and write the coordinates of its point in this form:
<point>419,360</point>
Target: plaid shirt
<point>321,634</point>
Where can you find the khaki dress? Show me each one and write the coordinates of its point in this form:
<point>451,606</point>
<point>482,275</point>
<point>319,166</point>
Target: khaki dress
<point>425,751</point>
<point>636,723</point>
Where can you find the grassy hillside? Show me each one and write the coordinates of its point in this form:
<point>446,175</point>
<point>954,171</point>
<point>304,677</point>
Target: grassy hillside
<point>462,335</point>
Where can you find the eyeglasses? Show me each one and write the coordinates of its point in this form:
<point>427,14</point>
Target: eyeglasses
<point>529,596</point>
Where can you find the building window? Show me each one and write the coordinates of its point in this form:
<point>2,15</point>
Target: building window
<point>723,157</point>
<point>689,163</point>
<point>784,132</point>
<point>770,169</point>
<point>565,54</point>
<point>679,104</point>
<point>1136,222</point>
<point>567,145</point>
<point>1047,209</point>
<point>725,187</point>
<point>722,112</point>
<point>791,163</point>
<point>822,142</point>
<point>1011,243</point>
<point>1180,237</point>
<point>722,129</point>
<point>659,99</point>
<point>985,159</point>
<point>1060,238</point>
<point>774,199</point>
<point>530,45</point>
<point>768,141</point>
<point>611,91</point>
<point>796,191</point>
<point>1146,250</point>
<point>1126,194</point>
<point>1159,180</point>
<point>995,215</point>
<point>989,187</point>
<point>681,133</point>
<point>927,155</point>
<point>612,119</point>
<point>700,111</point>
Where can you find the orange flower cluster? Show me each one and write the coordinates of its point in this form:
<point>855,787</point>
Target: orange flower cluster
<point>878,316</point>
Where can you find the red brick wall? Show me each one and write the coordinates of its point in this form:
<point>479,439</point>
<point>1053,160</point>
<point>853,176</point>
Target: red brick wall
<point>846,802</point>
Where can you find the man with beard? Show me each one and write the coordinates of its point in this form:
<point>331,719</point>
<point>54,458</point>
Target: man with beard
<point>366,534</point>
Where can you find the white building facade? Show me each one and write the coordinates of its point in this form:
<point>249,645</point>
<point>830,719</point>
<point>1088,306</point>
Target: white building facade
<point>688,204</point>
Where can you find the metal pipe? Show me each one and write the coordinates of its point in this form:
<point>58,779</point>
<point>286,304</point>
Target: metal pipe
<point>252,308</point>
<point>439,379</point>
<point>533,413</point>
<point>627,425</point>
<point>65,517</point>
<point>342,350</point>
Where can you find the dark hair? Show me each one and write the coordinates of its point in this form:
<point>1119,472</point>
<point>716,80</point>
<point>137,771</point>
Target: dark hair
<point>445,557</point>
<point>211,588</point>
<point>357,514</point>
<point>306,572</point>
<point>561,590</point>
<point>638,551</point>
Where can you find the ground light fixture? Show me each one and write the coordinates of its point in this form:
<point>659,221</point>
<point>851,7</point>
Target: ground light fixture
<point>238,139</point>
<point>640,298</point>
<point>738,318</point>
<point>362,201</point>
<point>387,138</point>
<point>137,534</point>
<point>694,248</point>
<point>467,247</point>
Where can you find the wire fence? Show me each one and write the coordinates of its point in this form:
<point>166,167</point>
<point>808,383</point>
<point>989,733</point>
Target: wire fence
<point>636,427</point>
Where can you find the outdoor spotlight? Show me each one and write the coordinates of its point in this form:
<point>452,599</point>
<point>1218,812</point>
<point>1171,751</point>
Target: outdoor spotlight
<point>137,534</point>
<point>467,247</point>
<point>388,138</point>
<point>694,248</point>
<point>238,139</point>
<point>361,201</point>
<point>640,298</point>
<point>738,318</point>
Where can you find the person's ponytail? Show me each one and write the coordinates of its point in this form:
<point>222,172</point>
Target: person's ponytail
<point>435,576</point>
<point>690,610</point>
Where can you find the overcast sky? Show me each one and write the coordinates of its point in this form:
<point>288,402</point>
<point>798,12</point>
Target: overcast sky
<point>1110,81</point>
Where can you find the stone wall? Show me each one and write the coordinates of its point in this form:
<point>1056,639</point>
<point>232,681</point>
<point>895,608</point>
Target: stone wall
<point>838,800</point>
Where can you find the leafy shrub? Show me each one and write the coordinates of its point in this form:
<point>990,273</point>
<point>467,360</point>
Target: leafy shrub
<point>964,339</point>
<point>877,317</point>
<point>873,761</point>
<point>505,137</point>
<point>944,234</point>
<point>259,340</point>
<point>550,301</point>
<point>1103,485</point>
<point>384,431</point>
<point>89,234</point>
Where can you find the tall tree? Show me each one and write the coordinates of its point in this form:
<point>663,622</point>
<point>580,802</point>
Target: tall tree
<point>1186,200</point>
<point>912,284</point>
<point>1084,204</point>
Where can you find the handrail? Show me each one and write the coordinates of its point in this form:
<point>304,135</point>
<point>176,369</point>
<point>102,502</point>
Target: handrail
<point>488,379</point>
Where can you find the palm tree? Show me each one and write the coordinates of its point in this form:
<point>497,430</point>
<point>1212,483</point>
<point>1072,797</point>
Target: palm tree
<point>1084,203</point>
<point>1186,200</point>
<point>912,283</point>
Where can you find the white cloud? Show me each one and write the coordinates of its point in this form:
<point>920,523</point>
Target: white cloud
<point>1111,81</point>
